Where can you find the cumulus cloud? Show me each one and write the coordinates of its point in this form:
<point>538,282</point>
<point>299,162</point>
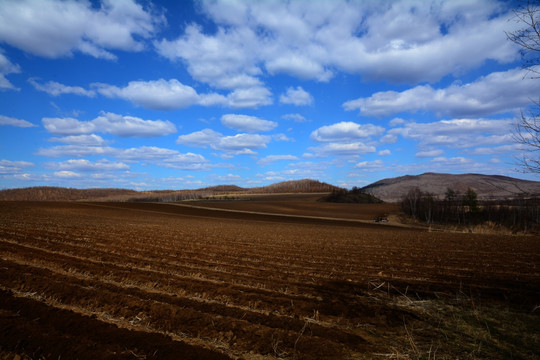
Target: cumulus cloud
<point>273,158</point>
<point>55,89</point>
<point>172,94</point>
<point>201,138</point>
<point>83,165</point>
<point>295,117</point>
<point>153,154</point>
<point>67,174</point>
<point>345,131</point>
<point>159,95</point>
<point>342,149</point>
<point>396,41</point>
<point>247,123</point>
<point>119,125</point>
<point>296,97</point>
<point>7,67</point>
<point>457,133</point>
<point>6,120</point>
<point>384,152</point>
<point>26,25</point>
<point>370,165</point>
<point>8,167</point>
<point>497,92</point>
<point>240,144</point>
<point>92,139</point>
<point>429,153</point>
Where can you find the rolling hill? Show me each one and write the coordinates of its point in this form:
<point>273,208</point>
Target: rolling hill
<point>48,193</point>
<point>486,186</point>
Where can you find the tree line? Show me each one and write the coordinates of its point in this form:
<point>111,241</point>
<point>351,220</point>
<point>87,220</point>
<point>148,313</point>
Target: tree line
<point>521,213</point>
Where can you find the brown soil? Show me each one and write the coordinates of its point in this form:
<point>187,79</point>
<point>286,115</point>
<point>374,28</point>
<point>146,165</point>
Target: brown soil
<point>124,280</point>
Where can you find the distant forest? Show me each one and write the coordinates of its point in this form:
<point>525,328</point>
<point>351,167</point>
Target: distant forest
<point>521,213</point>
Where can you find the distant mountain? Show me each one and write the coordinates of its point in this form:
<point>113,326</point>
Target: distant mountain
<point>486,186</point>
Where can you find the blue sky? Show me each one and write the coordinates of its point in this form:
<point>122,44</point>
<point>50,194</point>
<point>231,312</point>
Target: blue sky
<point>177,94</point>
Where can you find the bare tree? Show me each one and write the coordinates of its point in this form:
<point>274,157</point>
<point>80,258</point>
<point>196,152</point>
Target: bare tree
<point>528,36</point>
<point>527,133</point>
<point>527,129</point>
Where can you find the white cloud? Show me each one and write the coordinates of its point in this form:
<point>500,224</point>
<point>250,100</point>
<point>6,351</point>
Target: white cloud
<point>66,174</point>
<point>158,95</point>
<point>201,138</point>
<point>123,126</point>
<point>396,41</point>
<point>187,161</point>
<point>145,154</point>
<point>370,165</point>
<point>129,126</point>
<point>8,167</point>
<point>5,120</point>
<point>247,123</point>
<point>497,92</point>
<point>342,149</point>
<point>273,158</point>
<point>252,97</point>
<point>225,60</point>
<point>67,126</point>
<point>171,95</point>
<point>76,151</point>
<point>384,152</point>
<point>296,97</point>
<point>53,29</point>
<point>345,131</point>
<point>55,89</point>
<point>458,133</point>
<point>7,67</point>
<point>83,165</point>
<point>92,139</point>
<point>240,144</point>
<point>429,153</point>
<point>295,117</point>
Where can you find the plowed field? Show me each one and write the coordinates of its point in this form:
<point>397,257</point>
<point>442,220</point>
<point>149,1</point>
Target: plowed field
<point>162,281</point>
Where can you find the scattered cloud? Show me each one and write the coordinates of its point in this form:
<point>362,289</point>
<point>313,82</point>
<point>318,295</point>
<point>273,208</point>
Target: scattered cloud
<point>8,167</point>
<point>7,67</point>
<point>55,89</point>
<point>345,131</point>
<point>370,165</point>
<point>240,144</point>
<point>295,117</point>
<point>67,174</point>
<point>247,123</point>
<point>172,95</point>
<point>429,153</point>
<point>83,165</point>
<point>123,25</point>
<point>158,95</point>
<point>119,125</point>
<point>399,42</point>
<point>273,158</point>
<point>384,153</point>
<point>498,92</point>
<point>92,139</point>
<point>298,97</point>
<point>342,149</point>
<point>5,120</point>
<point>457,133</point>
